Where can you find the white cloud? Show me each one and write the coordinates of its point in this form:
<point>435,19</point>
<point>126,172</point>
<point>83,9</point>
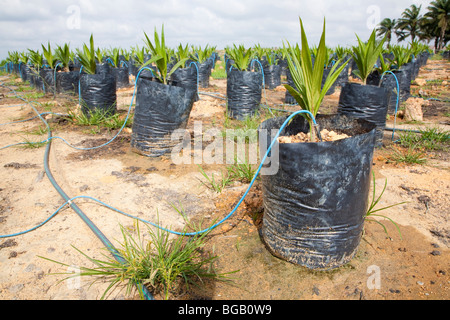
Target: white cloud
<point>28,23</point>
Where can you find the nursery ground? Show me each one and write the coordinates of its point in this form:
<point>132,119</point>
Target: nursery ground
<point>410,264</point>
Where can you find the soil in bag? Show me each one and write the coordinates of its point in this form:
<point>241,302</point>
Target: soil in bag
<point>315,203</point>
<point>160,109</point>
<point>243,93</point>
<point>366,102</point>
<point>98,93</point>
<point>67,82</point>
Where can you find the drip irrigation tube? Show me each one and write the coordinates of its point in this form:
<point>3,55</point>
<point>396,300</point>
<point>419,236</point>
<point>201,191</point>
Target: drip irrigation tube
<point>141,288</point>
<point>94,228</point>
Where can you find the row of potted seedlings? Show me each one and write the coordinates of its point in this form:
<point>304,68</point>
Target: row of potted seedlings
<point>315,204</point>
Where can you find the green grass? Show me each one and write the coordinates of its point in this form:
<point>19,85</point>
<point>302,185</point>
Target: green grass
<point>371,211</point>
<point>27,144</point>
<point>163,263</point>
<point>219,72</point>
<point>100,118</point>
<point>409,155</point>
<point>213,184</point>
<point>428,139</point>
<point>241,171</point>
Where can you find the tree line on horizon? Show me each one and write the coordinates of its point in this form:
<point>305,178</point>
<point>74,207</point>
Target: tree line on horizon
<point>434,24</point>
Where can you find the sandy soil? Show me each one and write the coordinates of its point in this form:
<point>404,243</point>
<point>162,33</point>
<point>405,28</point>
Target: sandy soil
<point>413,264</point>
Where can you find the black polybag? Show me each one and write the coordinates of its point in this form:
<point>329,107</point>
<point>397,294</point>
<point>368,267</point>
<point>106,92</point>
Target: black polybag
<point>24,72</point>
<point>160,109</point>
<point>204,72</point>
<point>186,78</point>
<point>67,82</point>
<point>243,93</point>
<point>288,98</point>
<point>315,205</point>
<point>272,76</point>
<point>47,76</point>
<point>366,102</point>
<point>98,92</point>
<point>122,77</point>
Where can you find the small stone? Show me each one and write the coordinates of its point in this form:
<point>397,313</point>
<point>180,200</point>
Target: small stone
<point>435,253</point>
<point>316,291</point>
<point>420,283</point>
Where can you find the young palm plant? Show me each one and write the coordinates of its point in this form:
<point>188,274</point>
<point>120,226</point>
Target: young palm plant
<point>309,92</point>
<point>161,56</point>
<point>241,56</point>
<point>366,55</point>
<point>48,55</point>
<point>87,57</point>
<point>63,55</point>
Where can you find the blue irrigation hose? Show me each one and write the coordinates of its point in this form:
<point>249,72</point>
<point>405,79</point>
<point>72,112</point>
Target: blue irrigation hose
<point>198,76</point>
<point>99,234</point>
<point>141,288</point>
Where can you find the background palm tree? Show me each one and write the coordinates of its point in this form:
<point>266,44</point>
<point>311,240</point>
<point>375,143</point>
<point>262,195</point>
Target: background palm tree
<point>386,28</point>
<point>436,22</point>
<point>410,22</point>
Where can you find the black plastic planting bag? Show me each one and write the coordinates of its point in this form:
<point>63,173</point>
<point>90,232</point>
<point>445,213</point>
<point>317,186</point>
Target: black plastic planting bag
<point>103,68</point>
<point>204,72</point>
<point>315,205</point>
<point>160,109</point>
<point>24,72</point>
<point>98,92</point>
<point>67,82</point>
<point>288,98</point>
<point>37,81</point>
<point>366,102</point>
<point>47,76</point>
<point>272,76</point>
<point>186,78</point>
<point>121,76</point>
<point>243,93</point>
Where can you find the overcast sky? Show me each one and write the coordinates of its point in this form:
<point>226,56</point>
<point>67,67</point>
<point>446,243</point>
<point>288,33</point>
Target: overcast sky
<point>29,23</point>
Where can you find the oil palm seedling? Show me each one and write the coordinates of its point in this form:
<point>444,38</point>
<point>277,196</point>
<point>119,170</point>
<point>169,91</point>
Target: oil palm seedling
<point>168,105</point>
<point>63,55</point>
<point>87,57</point>
<point>294,221</point>
<point>49,56</point>
<point>244,87</point>
<point>366,54</point>
<point>97,89</point>
<point>365,101</point>
<point>308,90</point>
<point>241,57</point>
<point>161,57</point>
